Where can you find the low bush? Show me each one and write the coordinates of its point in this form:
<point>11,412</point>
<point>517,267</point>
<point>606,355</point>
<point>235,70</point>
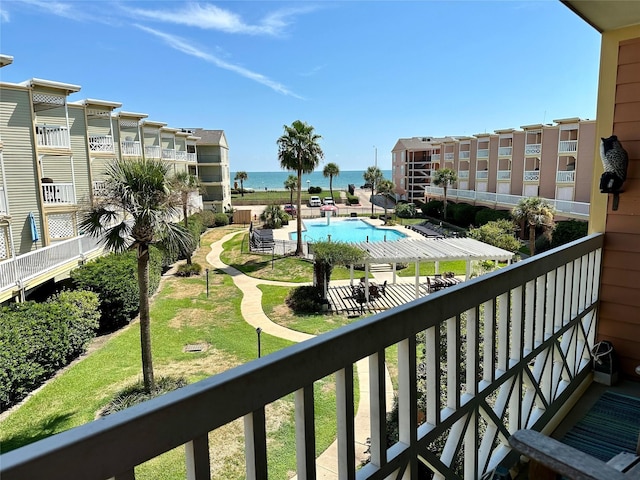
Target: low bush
<point>568,231</point>
<point>39,338</point>
<point>315,190</point>
<point>305,299</point>
<point>188,270</point>
<point>136,394</point>
<point>433,208</point>
<point>463,214</point>
<point>406,210</point>
<point>220,219</point>
<point>352,200</point>
<point>114,278</point>
<point>486,215</point>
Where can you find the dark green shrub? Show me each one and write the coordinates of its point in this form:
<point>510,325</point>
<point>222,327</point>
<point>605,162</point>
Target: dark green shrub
<point>115,279</point>
<point>352,199</point>
<point>136,394</point>
<point>186,270</point>
<point>305,299</point>
<point>206,218</point>
<point>315,190</point>
<point>220,219</point>
<point>489,215</point>
<point>406,210</point>
<point>36,339</point>
<point>463,215</point>
<point>568,231</point>
<point>433,208</point>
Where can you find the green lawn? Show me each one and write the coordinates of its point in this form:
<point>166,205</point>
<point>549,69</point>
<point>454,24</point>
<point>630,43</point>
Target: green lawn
<point>429,268</point>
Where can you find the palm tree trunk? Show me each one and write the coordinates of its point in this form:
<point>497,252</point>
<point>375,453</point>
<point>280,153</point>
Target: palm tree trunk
<point>241,188</point>
<point>331,186</point>
<point>299,216</point>
<point>532,239</point>
<point>186,226</point>
<point>444,190</point>
<point>145,322</point>
<point>372,185</point>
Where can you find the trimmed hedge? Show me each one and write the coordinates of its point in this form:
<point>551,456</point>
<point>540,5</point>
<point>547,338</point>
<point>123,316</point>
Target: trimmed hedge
<point>115,279</point>
<point>486,215</point>
<point>304,299</point>
<point>37,339</point>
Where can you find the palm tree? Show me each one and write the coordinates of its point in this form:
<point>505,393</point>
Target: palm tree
<point>385,187</point>
<point>298,150</point>
<point>534,212</point>
<point>445,177</point>
<point>184,184</point>
<point>291,183</point>
<point>331,170</point>
<point>242,176</point>
<point>136,211</point>
<point>372,176</point>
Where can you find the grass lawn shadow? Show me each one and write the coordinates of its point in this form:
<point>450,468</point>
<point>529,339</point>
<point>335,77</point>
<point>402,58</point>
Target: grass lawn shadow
<point>43,429</point>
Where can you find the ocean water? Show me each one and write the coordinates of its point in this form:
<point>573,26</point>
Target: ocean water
<point>275,180</point>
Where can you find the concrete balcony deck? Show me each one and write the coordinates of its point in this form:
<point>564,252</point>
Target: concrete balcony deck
<point>499,353</point>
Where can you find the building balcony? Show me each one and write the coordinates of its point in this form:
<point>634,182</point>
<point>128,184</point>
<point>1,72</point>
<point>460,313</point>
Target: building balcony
<point>180,156</point>
<point>4,206</point>
<point>58,194</point>
<point>168,154</point>
<point>153,151</point>
<point>531,176</point>
<point>211,178</point>
<point>511,347</point>
<point>101,144</point>
<point>504,175</point>
<point>449,157</point>
<point>567,176</point>
<point>130,148</point>
<point>568,146</point>
<point>505,151</point>
<point>435,157</point>
<point>483,153</point>
<point>52,136</point>
<point>533,149</point>
<point>99,188</point>
<point>464,155</point>
<point>463,174</point>
<point>192,157</point>
<point>482,174</point>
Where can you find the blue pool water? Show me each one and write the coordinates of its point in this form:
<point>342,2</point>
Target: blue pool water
<point>345,230</point>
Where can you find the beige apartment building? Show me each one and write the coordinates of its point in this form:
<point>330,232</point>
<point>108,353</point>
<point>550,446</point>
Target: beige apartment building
<point>553,161</point>
<point>53,157</point>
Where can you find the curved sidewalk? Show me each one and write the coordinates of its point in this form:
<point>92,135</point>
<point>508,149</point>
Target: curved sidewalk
<point>251,308</point>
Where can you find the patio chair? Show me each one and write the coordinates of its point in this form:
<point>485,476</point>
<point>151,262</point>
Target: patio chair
<point>374,292</point>
<point>383,288</point>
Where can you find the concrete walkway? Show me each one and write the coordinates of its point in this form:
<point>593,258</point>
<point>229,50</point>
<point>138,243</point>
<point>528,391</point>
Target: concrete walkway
<point>251,308</point>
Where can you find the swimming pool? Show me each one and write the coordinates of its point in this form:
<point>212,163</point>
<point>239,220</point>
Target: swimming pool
<point>345,230</point>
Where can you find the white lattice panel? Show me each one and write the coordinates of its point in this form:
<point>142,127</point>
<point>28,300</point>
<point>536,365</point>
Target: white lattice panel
<point>61,225</point>
<point>48,98</point>
<point>4,247</point>
<point>129,123</point>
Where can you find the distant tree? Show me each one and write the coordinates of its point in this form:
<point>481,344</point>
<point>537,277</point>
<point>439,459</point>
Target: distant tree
<point>385,187</point>
<point>331,170</point>
<point>291,184</point>
<point>242,176</point>
<point>444,177</point>
<point>184,184</point>
<point>372,176</point>
<point>499,233</point>
<point>326,255</point>
<point>136,211</point>
<point>298,150</point>
<point>535,213</point>
<point>272,216</point>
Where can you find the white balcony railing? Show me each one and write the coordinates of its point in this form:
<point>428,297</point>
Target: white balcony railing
<point>463,173</point>
<point>464,155</point>
<point>3,201</point>
<point>58,193</point>
<point>54,136</point>
<point>101,143</point>
<point>435,157</point>
<point>568,176</point>
<point>531,176</point>
<point>15,271</point>
<point>483,153</point>
<point>449,157</point>
<point>504,175</point>
<point>180,156</point>
<point>568,146</point>
<point>168,154</point>
<point>99,188</point>
<point>191,157</point>
<point>498,353</point>
<point>482,174</point>
<point>152,151</point>
<point>130,148</point>
<point>533,149</point>
<point>570,208</point>
<point>505,151</point>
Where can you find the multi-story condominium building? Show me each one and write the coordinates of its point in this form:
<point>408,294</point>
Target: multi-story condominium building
<point>213,169</point>
<point>553,161</point>
<point>53,157</point>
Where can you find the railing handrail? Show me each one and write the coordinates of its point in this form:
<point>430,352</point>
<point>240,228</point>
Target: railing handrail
<point>117,443</point>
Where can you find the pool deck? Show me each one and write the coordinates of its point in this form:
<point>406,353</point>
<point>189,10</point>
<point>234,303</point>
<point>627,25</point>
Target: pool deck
<point>283,233</point>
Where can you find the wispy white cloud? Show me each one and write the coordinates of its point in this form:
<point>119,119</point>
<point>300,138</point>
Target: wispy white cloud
<point>313,71</point>
<point>183,46</point>
<point>4,15</point>
<point>211,17</point>
<point>59,9</point>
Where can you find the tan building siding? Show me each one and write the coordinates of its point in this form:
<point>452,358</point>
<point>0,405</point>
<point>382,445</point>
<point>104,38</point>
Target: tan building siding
<point>620,292</point>
<point>81,175</point>
<point>16,129</point>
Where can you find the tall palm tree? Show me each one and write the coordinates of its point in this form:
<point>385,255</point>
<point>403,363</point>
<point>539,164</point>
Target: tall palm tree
<point>535,213</point>
<point>242,176</point>
<point>184,184</point>
<point>445,177</point>
<point>331,170</point>
<point>137,210</point>
<point>298,150</point>
<point>385,187</point>
<point>372,176</point>
<point>291,183</point>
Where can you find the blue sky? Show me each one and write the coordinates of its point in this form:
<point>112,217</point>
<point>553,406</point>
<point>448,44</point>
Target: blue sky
<point>363,73</point>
